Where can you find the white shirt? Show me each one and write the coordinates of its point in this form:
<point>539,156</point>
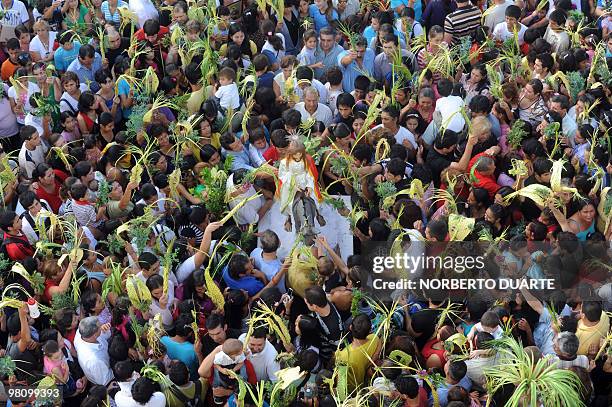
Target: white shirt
<point>248,213</point>
<point>28,160</point>
<point>317,85</point>
<point>569,128</point>
<point>501,32</point>
<point>450,109</point>
<point>264,362</point>
<point>17,14</point>
<point>497,14</point>
<point>402,135</point>
<point>228,95</point>
<point>144,9</point>
<point>278,54</point>
<point>322,114</point>
<point>94,359</point>
<point>123,399</point>
<point>34,121</point>
<point>24,97</point>
<point>68,103</point>
<point>36,45</point>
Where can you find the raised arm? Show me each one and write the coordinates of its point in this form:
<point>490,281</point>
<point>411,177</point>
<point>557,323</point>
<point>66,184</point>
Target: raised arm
<point>337,260</point>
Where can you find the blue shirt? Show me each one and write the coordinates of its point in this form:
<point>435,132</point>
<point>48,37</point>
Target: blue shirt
<point>466,383</point>
<point>62,58</point>
<point>543,333</point>
<point>241,160</point>
<point>86,75</point>
<point>330,59</point>
<point>369,33</point>
<point>184,352</point>
<point>248,283</point>
<point>352,70</point>
<point>269,267</point>
<point>417,6</point>
<point>320,20</point>
<point>124,89</point>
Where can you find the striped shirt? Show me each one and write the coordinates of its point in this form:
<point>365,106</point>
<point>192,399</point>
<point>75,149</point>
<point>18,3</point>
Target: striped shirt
<point>462,22</point>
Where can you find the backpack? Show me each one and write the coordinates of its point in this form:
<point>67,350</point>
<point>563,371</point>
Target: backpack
<point>195,401</point>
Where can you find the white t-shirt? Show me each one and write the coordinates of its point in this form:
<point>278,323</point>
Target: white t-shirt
<point>264,363</point>
<point>36,45</point>
<point>403,134</point>
<point>17,14</point>
<point>501,32</point>
<point>248,213</point>
<point>228,96</point>
<point>28,160</point>
<point>68,103</point>
<point>124,399</point>
<point>278,54</point>
<point>25,99</point>
<point>322,114</point>
<point>450,109</point>
<point>497,14</point>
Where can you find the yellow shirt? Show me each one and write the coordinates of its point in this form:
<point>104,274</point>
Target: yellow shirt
<point>223,49</point>
<point>358,360</point>
<point>195,101</point>
<point>588,335</point>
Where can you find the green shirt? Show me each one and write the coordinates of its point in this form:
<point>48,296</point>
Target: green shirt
<point>188,390</point>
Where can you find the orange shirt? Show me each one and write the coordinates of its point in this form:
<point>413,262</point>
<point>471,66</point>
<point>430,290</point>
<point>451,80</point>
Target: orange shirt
<point>8,69</point>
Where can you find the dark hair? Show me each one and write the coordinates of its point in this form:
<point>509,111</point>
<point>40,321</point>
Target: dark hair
<point>438,228</point>
<point>143,387</point>
<point>380,230</point>
<point>268,29</point>
<point>445,87</point>
<point>446,140</point>
<point>316,296</point>
<point>27,132</point>
<point>86,101</point>
<point>214,321</point>
<point>592,310</point>
<point>457,370</point>
<point>87,51</point>
<point>123,370</point>
<point>361,326</point>
<point>345,99</point>
<point>146,260</point>
<point>237,265</point>
<point>178,373</point>
<point>151,27</point>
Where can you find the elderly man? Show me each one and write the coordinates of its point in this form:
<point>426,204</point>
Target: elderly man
<point>355,62</point>
<point>91,344</point>
<point>327,51</point>
<point>311,107</point>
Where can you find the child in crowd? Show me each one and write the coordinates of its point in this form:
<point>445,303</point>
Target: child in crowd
<point>227,90</point>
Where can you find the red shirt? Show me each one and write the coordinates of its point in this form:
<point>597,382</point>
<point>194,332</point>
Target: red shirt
<point>17,247</point>
<point>483,181</point>
<point>52,198</point>
<point>271,155</point>
<point>141,36</point>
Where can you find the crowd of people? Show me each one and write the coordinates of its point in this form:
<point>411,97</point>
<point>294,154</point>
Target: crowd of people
<point>145,144</point>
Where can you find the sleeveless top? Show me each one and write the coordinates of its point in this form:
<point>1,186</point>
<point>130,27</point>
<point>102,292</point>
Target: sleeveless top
<point>582,236</point>
<point>25,361</point>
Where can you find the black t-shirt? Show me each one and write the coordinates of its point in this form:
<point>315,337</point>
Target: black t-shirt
<point>528,207</point>
<point>112,54</point>
<point>208,345</point>
<point>437,163</point>
<point>335,280</point>
<point>333,324</point>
